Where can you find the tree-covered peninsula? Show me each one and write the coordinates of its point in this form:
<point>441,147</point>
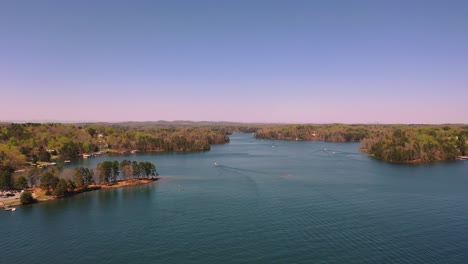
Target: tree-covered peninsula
<point>409,144</point>
<point>49,183</point>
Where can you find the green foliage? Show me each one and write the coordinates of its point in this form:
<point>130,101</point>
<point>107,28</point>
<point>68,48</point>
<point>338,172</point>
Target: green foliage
<point>6,178</point>
<point>126,169</point>
<point>10,156</point>
<point>27,198</point>
<point>393,143</point>
<point>115,170</point>
<point>61,190</point>
<point>91,131</point>
<point>136,170</point>
<point>21,183</point>
<point>43,155</point>
<point>147,168</point>
<point>22,143</point>
<point>111,170</point>
<point>49,182</point>
<point>105,171</point>
<point>70,150</point>
<point>425,144</point>
<point>83,177</point>
<point>331,133</point>
<point>71,185</point>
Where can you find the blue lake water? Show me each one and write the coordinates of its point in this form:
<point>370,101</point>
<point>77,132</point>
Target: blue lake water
<point>267,202</point>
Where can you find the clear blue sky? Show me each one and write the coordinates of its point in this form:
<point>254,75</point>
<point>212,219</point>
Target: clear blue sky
<point>251,61</point>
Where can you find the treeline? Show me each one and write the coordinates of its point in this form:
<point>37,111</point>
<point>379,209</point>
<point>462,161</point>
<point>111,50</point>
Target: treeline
<point>329,133</point>
<point>30,143</point>
<point>392,143</point>
<point>109,171</point>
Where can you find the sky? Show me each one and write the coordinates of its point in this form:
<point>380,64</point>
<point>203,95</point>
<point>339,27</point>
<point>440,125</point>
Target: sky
<point>245,61</point>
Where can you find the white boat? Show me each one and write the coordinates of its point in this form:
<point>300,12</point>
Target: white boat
<point>216,164</point>
<point>9,208</point>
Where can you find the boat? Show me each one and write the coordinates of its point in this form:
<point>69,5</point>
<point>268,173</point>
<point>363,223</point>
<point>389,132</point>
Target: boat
<point>10,208</point>
<point>216,164</point>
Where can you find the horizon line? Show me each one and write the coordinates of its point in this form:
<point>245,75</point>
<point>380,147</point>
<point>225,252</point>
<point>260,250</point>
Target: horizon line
<point>45,121</point>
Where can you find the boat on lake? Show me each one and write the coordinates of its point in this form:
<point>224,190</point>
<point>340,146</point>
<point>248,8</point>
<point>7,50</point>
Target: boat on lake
<point>9,208</point>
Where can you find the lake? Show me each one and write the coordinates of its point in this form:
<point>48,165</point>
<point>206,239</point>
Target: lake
<point>267,202</point>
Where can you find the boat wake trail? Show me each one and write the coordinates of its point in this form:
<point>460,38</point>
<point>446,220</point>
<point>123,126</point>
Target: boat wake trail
<point>244,170</point>
<point>229,170</point>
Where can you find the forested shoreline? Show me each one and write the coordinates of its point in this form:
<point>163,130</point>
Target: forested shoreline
<point>391,143</point>
<point>38,144</point>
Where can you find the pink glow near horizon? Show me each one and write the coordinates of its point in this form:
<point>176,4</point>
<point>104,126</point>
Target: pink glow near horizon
<point>288,61</point>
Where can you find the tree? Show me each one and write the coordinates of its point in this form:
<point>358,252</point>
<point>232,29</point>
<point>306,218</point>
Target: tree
<point>43,155</point>
<point>78,178</point>
<point>461,144</point>
<point>91,131</point>
<point>33,174</point>
<point>71,185</point>
<point>105,171</point>
<point>136,172</point>
<point>148,168</point>
<point>62,189</point>
<point>126,169</point>
<point>89,147</point>
<point>49,182</point>
<point>83,177</point>
<point>70,150</point>
<point>21,183</point>
<point>6,177</point>
<point>115,170</point>
<point>89,176</point>
<point>27,198</point>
